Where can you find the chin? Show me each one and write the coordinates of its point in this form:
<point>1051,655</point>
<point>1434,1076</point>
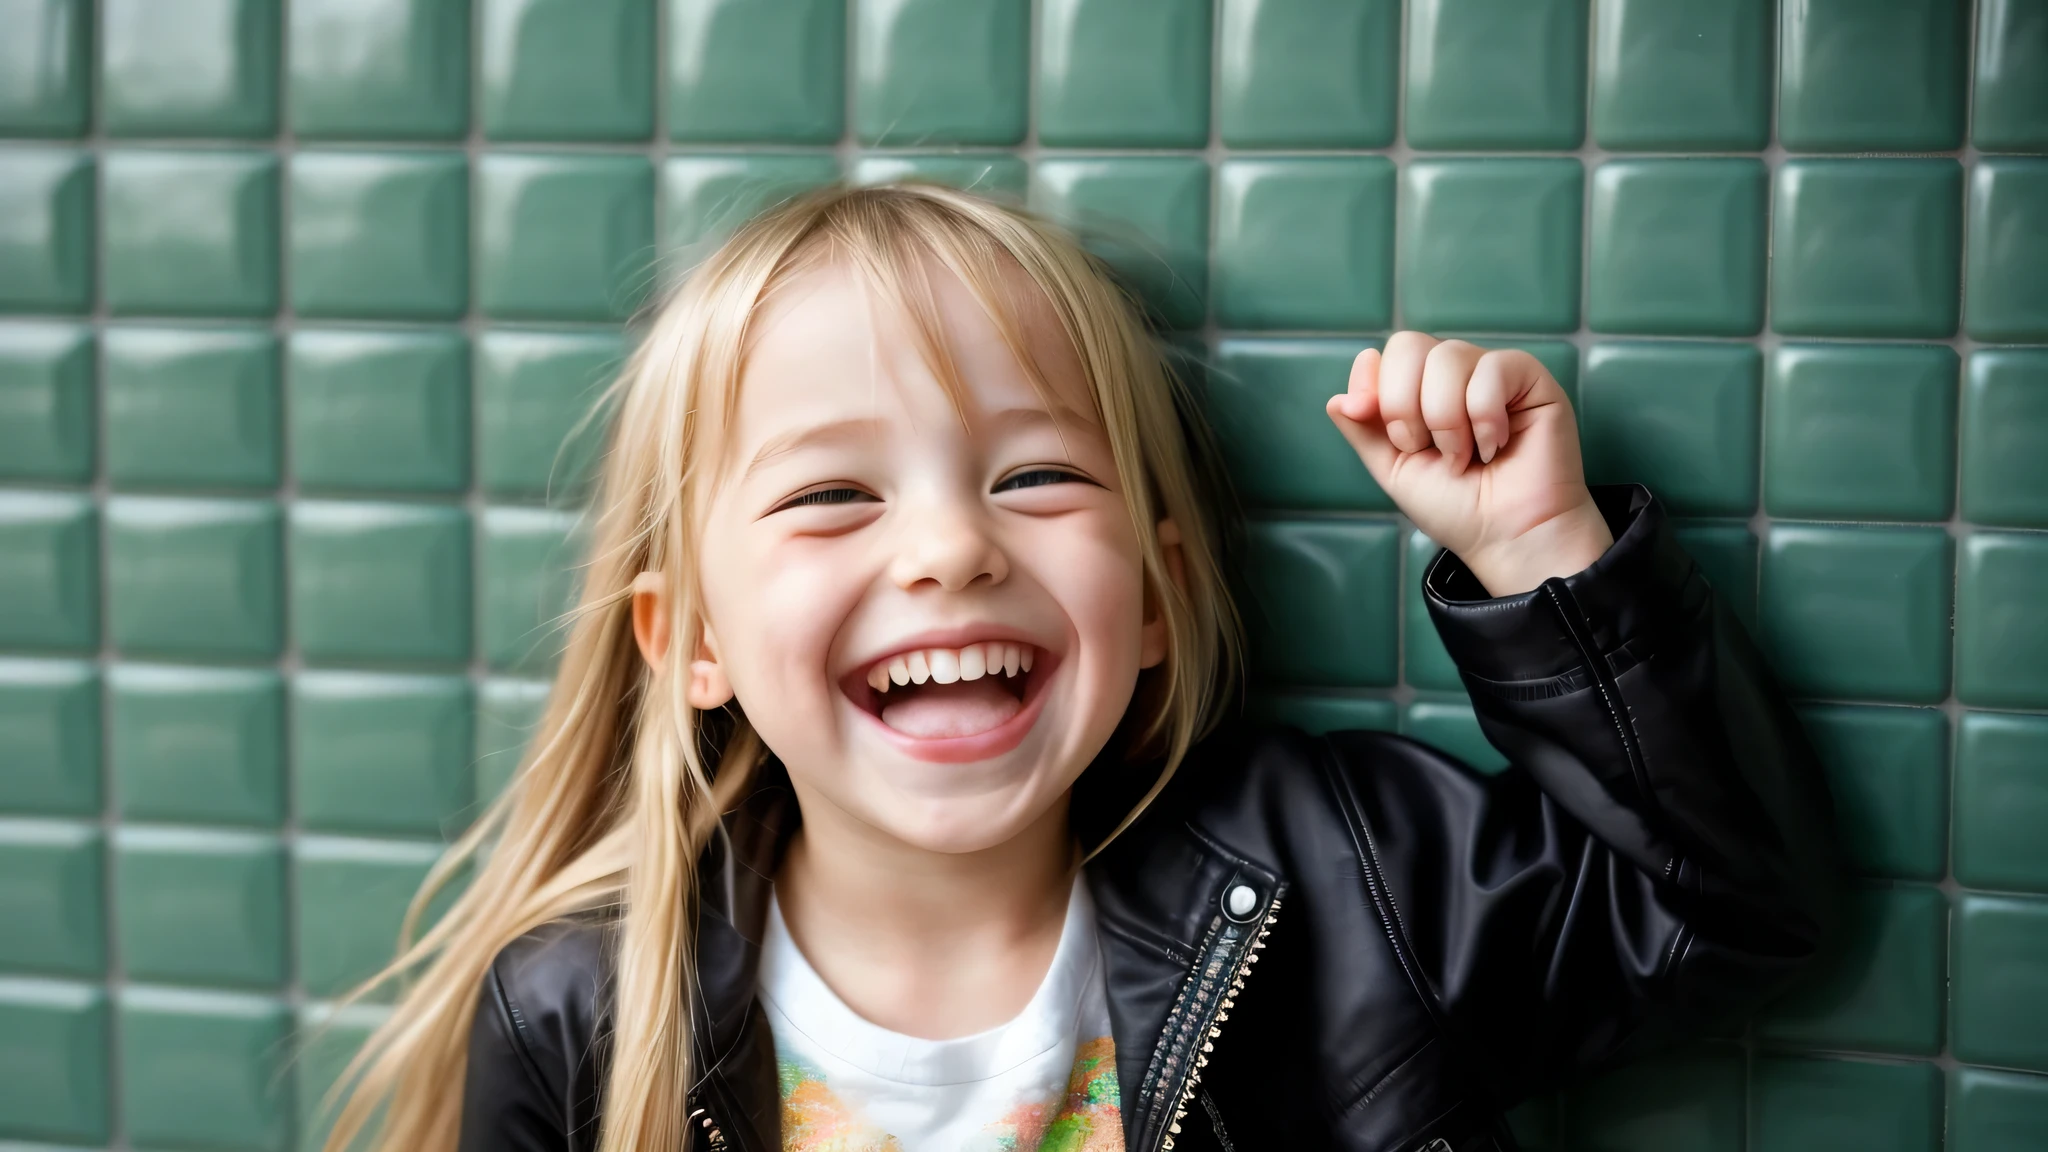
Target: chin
<point>966,823</point>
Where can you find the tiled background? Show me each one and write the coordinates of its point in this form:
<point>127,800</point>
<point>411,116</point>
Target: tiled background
<point>303,297</point>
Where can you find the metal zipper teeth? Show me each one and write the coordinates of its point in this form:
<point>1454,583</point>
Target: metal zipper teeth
<point>714,1139</point>
<point>1213,1027</point>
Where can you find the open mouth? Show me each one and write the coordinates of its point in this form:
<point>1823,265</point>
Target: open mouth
<point>950,693</point>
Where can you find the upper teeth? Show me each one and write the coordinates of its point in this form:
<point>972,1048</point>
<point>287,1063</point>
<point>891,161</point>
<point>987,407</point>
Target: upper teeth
<point>947,665</point>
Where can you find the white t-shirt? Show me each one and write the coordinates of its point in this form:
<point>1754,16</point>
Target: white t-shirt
<point>1045,1081</point>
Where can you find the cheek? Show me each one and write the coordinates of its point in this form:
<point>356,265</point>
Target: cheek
<point>1096,576</point>
<point>776,609</point>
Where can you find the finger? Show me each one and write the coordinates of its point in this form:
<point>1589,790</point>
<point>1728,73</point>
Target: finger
<point>1444,376</point>
<point>1486,402</point>
<point>1368,438</point>
<point>1400,384</point>
<point>1361,398</point>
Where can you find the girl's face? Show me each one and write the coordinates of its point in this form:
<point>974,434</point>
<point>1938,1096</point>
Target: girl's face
<point>933,614</point>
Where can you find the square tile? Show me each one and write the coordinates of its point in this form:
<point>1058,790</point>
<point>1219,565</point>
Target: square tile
<point>49,571</point>
<point>1425,663</point>
<point>1857,77</point>
<point>395,70</point>
<point>1450,726</point>
<point>194,577</point>
<point>2006,289</point>
<point>1726,553</point>
<point>52,898</point>
<point>1129,73</point>
<point>1264,400</point>
<point>704,198</point>
<point>1799,1104</point>
<point>382,754</point>
<point>528,585</point>
<point>352,899</point>
<point>1860,432</point>
<point>1883,992</point>
<point>191,233</point>
<point>1679,417</point>
<point>53,1041</point>
<point>999,175</point>
<point>46,84</point>
<point>189,67</point>
<point>380,582</point>
<point>1858,613</point>
<point>1995,1111</point>
<point>50,726</point>
<point>1866,248</point>
<point>191,407</point>
<point>1322,601</point>
<point>563,237</point>
<point>2000,982</point>
<point>2010,112</point>
<point>1305,243</point>
<point>534,394</point>
<point>380,411</point>
<point>2001,631</point>
<point>46,230</point>
<point>2002,801</point>
<point>968,85</point>
<point>1888,771</point>
<point>1496,74</point>
<point>1672,77</point>
<point>205,1069</point>
<point>46,402</point>
<point>1147,216</point>
<point>380,234</point>
<point>1678,247</point>
<point>2005,437</point>
<point>508,714</point>
<point>744,71</point>
<point>197,745</point>
<point>1490,245</point>
<point>567,69</point>
<point>1308,73</point>
<point>1317,713</point>
<point>1690,1100</point>
<point>200,907</point>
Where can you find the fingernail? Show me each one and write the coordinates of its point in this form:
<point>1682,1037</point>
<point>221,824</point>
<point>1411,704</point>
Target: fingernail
<point>1485,445</point>
<point>1397,431</point>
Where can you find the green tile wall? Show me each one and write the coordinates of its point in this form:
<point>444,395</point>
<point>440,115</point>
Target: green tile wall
<point>303,302</point>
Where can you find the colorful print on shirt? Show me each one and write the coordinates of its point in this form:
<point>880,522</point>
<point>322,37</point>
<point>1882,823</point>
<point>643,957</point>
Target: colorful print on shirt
<point>1090,1119</point>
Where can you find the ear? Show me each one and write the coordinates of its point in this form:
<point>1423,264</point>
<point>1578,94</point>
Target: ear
<point>652,628</point>
<point>1152,643</point>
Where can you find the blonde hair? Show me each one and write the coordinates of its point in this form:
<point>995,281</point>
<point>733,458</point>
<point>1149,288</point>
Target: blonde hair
<point>624,783</point>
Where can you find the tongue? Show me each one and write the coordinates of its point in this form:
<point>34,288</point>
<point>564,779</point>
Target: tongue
<point>965,708</point>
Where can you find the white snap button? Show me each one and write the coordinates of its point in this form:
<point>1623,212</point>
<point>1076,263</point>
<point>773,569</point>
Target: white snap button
<point>1241,900</point>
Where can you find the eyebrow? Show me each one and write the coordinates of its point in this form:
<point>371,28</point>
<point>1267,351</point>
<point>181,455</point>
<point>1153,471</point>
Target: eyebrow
<point>830,432</point>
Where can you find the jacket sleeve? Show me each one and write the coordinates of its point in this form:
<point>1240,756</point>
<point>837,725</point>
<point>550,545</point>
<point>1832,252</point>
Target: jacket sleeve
<point>539,1043</point>
<point>506,1104</point>
<point>1659,855</point>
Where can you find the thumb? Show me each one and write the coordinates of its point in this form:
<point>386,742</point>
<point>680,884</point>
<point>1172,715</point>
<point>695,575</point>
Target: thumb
<point>1368,438</point>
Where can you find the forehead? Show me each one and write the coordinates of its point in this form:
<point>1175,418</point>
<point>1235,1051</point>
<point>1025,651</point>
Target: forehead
<point>832,344</point>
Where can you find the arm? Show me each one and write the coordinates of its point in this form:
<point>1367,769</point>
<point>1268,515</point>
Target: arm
<point>1660,855</point>
<point>505,1104</point>
<point>539,1043</point>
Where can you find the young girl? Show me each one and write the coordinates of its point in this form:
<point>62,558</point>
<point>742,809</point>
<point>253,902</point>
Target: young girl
<point>887,797</point>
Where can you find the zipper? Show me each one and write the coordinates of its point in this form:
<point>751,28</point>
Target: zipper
<point>714,1139</point>
<point>1202,1007</point>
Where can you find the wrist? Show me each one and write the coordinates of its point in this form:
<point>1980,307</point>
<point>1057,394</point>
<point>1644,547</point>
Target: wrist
<point>1562,545</point>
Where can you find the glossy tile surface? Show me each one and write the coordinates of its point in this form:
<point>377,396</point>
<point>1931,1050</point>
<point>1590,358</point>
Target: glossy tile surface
<point>1860,432</point>
<point>1308,73</point>
<point>304,304</point>
<point>1857,77</point>
<point>1678,76</point>
<point>2000,1014</point>
<point>1678,247</point>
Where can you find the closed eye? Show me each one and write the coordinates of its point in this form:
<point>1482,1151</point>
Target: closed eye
<point>1038,478</point>
<point>823,496</point>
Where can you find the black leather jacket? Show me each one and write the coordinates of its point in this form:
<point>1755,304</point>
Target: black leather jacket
<point>1428,945</point>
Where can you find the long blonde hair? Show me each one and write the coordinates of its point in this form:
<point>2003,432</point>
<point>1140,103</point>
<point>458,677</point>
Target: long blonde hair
<point>622,786</point>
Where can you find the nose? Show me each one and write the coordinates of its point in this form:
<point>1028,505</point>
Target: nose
<point>947,544</point>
